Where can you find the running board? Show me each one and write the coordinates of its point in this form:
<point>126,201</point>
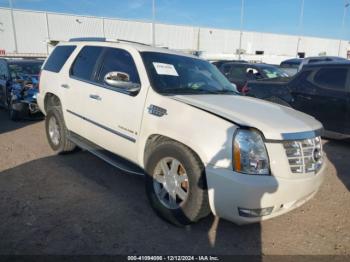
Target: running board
<point>113,159</point>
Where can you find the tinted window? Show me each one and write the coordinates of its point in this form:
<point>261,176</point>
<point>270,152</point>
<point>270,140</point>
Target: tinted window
<point>226,69</point>
<point>85,62</point>
<point>58,57</point>
<point>334,78</point>
<point>238,73</point>
<point>121,61</point>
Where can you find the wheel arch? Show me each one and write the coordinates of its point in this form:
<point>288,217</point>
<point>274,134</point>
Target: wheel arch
<point>157,138</point>
<point>51,100</point>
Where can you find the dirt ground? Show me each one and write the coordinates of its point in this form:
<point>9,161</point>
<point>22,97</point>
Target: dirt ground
<point>78,204</point>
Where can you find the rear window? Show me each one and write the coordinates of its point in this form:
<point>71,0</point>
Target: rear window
<point>58,58</point>
<point>331,78</point>
<point>85,62</point>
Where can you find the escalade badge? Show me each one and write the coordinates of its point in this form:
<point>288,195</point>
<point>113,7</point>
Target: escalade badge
<point>156,110</point>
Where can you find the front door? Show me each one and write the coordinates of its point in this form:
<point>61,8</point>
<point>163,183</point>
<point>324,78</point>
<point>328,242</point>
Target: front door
<point>114,114</point>
<point>323,94</point>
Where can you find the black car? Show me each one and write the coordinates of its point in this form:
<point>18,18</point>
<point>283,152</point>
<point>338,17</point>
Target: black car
<point>291,66</point>
<point>321,90</point>
<point>19,86</point>
<point>294,65</point>
<point>219,63</point>
<point>241,73</point>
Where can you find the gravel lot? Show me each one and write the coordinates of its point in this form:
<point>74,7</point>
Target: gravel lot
<point>78,204</point>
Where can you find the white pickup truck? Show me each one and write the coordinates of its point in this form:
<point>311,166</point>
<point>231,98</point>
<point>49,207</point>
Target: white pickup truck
<point>176,119</point>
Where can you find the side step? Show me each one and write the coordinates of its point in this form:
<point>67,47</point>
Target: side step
<point>109,157</point>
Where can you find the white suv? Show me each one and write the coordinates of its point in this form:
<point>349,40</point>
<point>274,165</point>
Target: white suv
<point>176,119</point>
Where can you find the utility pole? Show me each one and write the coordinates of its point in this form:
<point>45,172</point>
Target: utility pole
<point>13,26</point>
<point>346,5</point>
<point>241,30</point>
<point>301,20</point>
<point>153,22</point>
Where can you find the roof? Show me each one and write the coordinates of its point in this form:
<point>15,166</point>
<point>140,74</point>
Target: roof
<point>293,60</point>
<point>329,63</point>
<point>124,43</point>
<point>250,64</point>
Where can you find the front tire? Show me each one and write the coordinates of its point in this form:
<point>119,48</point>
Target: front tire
<point>57,133</point>
<point>176,183</point>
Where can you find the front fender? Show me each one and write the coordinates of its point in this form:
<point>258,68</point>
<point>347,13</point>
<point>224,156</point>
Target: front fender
<point>209,136</point>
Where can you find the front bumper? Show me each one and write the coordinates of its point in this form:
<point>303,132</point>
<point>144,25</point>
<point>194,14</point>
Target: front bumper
<point>229,191</point>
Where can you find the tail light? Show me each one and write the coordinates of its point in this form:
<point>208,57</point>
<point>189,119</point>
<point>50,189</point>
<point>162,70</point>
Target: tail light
<point>245,89</point>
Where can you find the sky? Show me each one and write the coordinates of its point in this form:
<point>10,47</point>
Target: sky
<point>322,18</point>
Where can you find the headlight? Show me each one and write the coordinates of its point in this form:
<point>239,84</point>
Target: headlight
<point>249,153</point>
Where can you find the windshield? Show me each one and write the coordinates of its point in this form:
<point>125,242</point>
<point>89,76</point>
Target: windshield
<point>24,68</point>
<point>274,72</point>
<point>176,74</point>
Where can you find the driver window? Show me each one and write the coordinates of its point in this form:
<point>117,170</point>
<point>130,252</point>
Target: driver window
<point>118,60</point>
<point>252,73</point>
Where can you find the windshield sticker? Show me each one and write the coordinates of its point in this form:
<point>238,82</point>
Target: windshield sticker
<point>165,69</point>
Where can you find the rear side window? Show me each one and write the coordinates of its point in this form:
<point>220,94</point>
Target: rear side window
<point>331,78</point>
<point>226,69</point>
<point>58,58</point>
<point>118,60</point>
<point>238,73</point>
<point>85,63</point>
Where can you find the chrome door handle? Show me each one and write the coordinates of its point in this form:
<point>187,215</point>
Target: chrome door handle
<point>96,97</point>
<point>65,86</point>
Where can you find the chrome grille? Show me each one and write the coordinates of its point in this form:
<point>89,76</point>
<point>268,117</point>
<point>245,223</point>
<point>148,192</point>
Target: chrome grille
<point>304,156</point>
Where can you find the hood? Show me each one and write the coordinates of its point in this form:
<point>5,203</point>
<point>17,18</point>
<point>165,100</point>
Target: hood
<point>276,122</point>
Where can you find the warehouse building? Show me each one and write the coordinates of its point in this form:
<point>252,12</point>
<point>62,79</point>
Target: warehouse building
<point>29,32</point>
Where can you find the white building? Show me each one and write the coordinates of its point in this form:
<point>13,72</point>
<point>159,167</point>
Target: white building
<point>31,31</point>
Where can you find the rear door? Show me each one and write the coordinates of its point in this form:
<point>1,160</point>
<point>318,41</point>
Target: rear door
<point>77,87</point>
<point>322,93</point>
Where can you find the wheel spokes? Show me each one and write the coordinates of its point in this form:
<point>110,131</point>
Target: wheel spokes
<point>181,193</point>
<point>164,167</point>
<point>170,182</point>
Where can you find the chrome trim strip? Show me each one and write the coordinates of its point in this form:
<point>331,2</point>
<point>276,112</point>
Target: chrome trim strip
<point>131,139</point>
<point>302,135</point>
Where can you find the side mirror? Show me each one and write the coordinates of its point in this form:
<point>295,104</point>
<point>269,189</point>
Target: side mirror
<point>121,80</point>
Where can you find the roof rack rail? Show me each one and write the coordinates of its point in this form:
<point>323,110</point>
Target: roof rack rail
<point>102,39</point>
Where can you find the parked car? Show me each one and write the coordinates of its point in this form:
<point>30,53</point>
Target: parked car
<point>201,145</point>
<point>291,66</point>
<point>320,59</point>
<point>219,63</point>
<point>19,86</point>
<point>321,90</point>
<point>241,73</point>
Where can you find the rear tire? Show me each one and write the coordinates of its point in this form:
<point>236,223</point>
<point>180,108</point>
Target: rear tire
<point>56,132</point>
<point>192,204</point>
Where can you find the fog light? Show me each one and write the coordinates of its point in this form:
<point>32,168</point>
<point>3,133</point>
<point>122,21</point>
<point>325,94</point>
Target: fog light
<point>258,212</point>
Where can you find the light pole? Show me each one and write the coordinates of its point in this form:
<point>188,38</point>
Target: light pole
<point>301,20</point>
<point>153,23</point>
<point>346,5</point>
<point>241,30</point>
<point>13,26</point>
